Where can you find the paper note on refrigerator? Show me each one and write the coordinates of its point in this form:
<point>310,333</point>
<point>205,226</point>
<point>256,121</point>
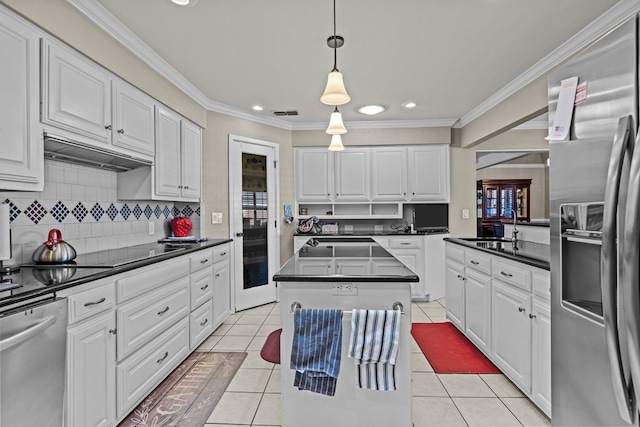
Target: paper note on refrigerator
<point>564,112</point>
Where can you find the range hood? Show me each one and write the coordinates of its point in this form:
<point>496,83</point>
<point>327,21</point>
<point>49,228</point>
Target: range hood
<point>65,150</point>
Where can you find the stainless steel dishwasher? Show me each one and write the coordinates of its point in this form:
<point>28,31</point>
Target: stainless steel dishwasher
<point>32,364</point>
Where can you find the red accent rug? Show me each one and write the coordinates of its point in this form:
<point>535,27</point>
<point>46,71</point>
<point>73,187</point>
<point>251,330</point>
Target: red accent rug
<point>450,352</point>
<point>271,349</point>
<point>188,395</point>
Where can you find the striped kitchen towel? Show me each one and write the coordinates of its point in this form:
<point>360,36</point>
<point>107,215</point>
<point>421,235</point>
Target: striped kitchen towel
<point>375,335</point>
<point>316,349</point>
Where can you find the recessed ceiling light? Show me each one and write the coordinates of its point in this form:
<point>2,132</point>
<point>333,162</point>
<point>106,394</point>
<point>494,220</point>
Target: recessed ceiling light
<point>409,104</point>
<point>189,3</point>
<point>371,110</point>
<point>257,108</point>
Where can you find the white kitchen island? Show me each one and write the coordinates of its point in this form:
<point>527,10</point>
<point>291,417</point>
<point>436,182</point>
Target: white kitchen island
<point>346,274</point>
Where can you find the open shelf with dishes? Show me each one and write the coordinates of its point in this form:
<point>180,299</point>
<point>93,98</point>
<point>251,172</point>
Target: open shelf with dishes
<point>349,210</point>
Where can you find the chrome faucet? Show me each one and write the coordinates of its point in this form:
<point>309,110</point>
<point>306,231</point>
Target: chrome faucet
<point>514,233</point>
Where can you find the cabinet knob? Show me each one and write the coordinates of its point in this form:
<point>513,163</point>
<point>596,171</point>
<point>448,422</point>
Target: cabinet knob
<point>186,187</point>
<point>120,131</point>
<point>532,316</point>
<point>217,274</point>
<point>521,309</point>
<point>113,331</point>
<point>204,287</point>
<point>205,322</point>
<point>179,186</point>
<point>108,127</point>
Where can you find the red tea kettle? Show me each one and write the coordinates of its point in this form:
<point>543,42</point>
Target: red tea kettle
<point>54,250</point>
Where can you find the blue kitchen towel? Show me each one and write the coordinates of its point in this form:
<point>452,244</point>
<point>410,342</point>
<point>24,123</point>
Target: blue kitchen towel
<point>375,335</point>
<point>316,349</point>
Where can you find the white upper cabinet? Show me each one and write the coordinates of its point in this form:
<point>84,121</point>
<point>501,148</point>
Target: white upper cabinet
<point>21,147</point>
<point>133,116</point>
<point>314,175</point>
<point>167,164</point>
<point>429,173</point>
<point>353,175</point>
<point>389,173</point>
<point>190,160</point>
<point>82,98</point>
<point>77,93</point>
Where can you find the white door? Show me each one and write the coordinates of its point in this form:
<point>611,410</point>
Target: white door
<point>253,222</point>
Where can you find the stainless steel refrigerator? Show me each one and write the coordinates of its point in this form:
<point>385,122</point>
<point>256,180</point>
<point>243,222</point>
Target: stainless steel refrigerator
<point>595,208</point>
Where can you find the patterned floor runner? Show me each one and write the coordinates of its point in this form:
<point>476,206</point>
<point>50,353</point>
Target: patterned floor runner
<point>188,395</point>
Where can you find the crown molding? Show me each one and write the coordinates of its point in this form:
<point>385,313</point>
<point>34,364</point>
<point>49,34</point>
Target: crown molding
<point>606,22</point>
<point>380,124</point>
<point>108,23</point>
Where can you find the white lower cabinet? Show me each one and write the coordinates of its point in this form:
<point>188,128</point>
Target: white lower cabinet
<point>503,307</point>
<point>455,279</point>
<point>541,355</point>
<point>140,373</point>
<point>478,309</point>
<point>511,333</point>
<point>91,383</point>
<point>128,332</point>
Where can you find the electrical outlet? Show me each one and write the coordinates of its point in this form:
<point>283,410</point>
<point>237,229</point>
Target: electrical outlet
<point>152,228</point>
<point>345,289</point>
<point>216,217</point>
<point>378,228</point>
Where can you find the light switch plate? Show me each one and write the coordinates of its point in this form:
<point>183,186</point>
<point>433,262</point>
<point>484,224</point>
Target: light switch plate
<point>216,217</point>
<point>465,213</point>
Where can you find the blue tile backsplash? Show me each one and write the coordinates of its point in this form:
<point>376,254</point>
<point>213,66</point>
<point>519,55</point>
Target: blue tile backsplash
<point>82,203</point>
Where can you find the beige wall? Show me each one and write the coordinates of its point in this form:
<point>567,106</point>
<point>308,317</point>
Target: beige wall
<point>215,172</point>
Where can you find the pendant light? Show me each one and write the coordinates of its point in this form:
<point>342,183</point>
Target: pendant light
<point>336,143</point>
<point>335,92</point>
<point>336,127</point>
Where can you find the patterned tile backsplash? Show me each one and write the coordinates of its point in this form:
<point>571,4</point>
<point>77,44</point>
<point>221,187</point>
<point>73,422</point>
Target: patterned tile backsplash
<point>82,203</point>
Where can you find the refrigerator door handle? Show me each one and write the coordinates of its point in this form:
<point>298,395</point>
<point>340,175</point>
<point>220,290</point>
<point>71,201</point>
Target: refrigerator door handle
<point>609,269</point>
<point>631,272</point>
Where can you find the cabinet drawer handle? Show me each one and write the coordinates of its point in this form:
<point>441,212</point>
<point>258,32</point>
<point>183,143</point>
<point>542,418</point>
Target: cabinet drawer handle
<point>166,354</point>
<point>204,287</point>
<point>121,131</point>
<point>113,331</point>
<point>521,309</point>
<point>217,274</point>
<point>460,277</point>
<point>532,316</point>
<point>204,261</point>
<point>506,274</point>
<point>405,243</point>
<point>100,301</point>
<point>223,253</point>
<point>205,322</point>
<point>108,127</point>
<point>474,262</point>
<point>160,313</point>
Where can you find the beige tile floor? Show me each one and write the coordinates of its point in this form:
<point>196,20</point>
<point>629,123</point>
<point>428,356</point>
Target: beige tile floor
<point>439,400</point>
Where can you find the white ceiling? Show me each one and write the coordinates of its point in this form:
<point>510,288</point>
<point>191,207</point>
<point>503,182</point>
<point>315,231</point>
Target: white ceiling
<point>450,56</point>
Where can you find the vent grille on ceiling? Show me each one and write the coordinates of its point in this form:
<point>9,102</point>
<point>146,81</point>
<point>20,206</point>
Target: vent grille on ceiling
<point>285,113</point>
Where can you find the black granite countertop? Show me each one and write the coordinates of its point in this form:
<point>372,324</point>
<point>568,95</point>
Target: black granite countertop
<point>370,233</point>
<point>38,281</point>
<point>529,223</point>
<point>340,259</point>
<point>531,253</point>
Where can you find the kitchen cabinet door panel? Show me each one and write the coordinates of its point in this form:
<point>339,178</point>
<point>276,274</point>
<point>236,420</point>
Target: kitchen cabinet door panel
<point>455,294</point>
<point>191,161</point>
<point>79,94</point>
<point>167,164</point>
<point>511,332</point>
<point>221,291</point>
<point>134,119</point>
<point>21,153</point>
<point>314,175</point>
<point>541,357</point>
<point>478,309</point>
<point>429,173</point>
<point>91,381</point>
<point>353,172</point>
<point>389,174</point>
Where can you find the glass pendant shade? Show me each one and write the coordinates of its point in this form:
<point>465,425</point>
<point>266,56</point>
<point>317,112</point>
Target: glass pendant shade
<point>335,92</point>
<point>336,143</point>
<point>336,127</point>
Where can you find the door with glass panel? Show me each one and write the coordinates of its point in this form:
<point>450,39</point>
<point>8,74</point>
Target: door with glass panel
<point>254,222</point>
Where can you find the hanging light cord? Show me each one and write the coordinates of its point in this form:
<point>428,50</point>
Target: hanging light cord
<point>335,40</point>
